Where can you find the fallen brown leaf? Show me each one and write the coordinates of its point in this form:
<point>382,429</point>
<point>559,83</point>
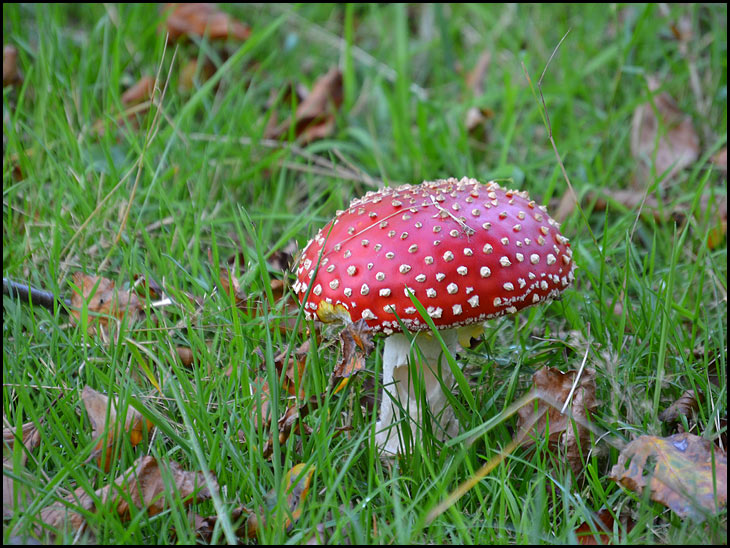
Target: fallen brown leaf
<point>553,388</point>
<point>297,482</point>
<point>103,300</point>
<point>142,486</point>
<point>11,72</point>
<point>662,136</point>
<point>108,429</point>
<point>13,491</point>
<point>140,92</point>
<point>475,83</point>
<point>315,116</point>
<point>293,378</point>
<point>604,522</point>
<point>190,72</point>
<point>685,473</point>
<point>199,19</point>
<point>356,342</point>
<point>686,405</point>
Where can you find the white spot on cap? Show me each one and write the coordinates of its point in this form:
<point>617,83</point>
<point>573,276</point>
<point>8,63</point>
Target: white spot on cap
<point>352,270</point>
<point>551,258</point>
<point>504,261</point>
<point>452,288</point>
<point>440,276</point>
<point>487,248</point>
<point>421,278</point>
<point>534,258</point>
<point>434,311</point>
<point>413,248</point>
<point>347,291</point>
<point>385,292</point>
<point>380,276</point>
<point>474,301</point>
<point>334,284</point>
<point>317,290</point>
<point>468,252</point>
<point>456,309</point>
<point>509,286</point>
<point>428,259</point>
<point>462,270</point>
<point>404,268</point>
<point>367,314</point>
<point>485,272</point>
<point>411,310</point>
<point>364,290</point>
<point>431,292</point>
<point>448,256</point>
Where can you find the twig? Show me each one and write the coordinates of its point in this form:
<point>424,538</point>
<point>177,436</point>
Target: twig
<point>38,297</point>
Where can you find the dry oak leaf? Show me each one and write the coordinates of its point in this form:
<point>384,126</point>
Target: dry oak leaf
<point>200,19</point>
<point>686,405</point>
<point>11,72</point>
<point>603,536</point>
<point>315,116</point>
<point>108,428</point>
<point>297,482</point>
<point>140,92</point>
<point>30,437</point>
<point>143,485</point>
<point>475,82</point>
<point>688,474</point>
<point>553,388</point>
<point>356,342</point>
<point>664,137</point>
<point>293,379</point>
<point>103,299</point>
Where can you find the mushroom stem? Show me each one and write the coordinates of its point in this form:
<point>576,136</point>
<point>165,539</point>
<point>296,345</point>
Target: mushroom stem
<point>399,392</point>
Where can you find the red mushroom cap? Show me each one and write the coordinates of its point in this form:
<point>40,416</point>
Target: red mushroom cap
<point>467,251</point>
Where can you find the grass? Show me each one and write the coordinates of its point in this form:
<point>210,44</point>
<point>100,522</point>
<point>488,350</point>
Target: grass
<point>649,305</point>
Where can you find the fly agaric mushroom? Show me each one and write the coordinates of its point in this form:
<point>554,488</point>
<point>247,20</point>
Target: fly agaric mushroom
<point>467,251</point>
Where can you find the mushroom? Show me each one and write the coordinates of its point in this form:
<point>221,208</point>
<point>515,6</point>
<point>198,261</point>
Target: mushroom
<point>466,251</point>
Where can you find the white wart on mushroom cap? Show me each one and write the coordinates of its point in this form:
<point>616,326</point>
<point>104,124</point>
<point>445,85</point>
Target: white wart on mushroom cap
<point>468,252</point>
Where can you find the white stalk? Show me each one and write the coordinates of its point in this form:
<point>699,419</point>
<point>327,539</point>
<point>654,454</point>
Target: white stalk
<point>399,391</point>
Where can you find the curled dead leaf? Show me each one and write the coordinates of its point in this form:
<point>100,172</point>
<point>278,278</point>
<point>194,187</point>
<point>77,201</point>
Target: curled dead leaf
<point>553,388</point>
<point>140,92</point>
<point>686,405</point>
<point>315,116</point>
<point>142,485</point>
<point>103,300</point>
<point>683,472</point>
<point>356,342</point>
<point>475,83</point>
<point>200,19</point>
<point>297,482</point>
<point>604,529</point>
<point>11,72</point>
<point>662,136</point>
<point>16,491</point>
<point>108,428</point>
